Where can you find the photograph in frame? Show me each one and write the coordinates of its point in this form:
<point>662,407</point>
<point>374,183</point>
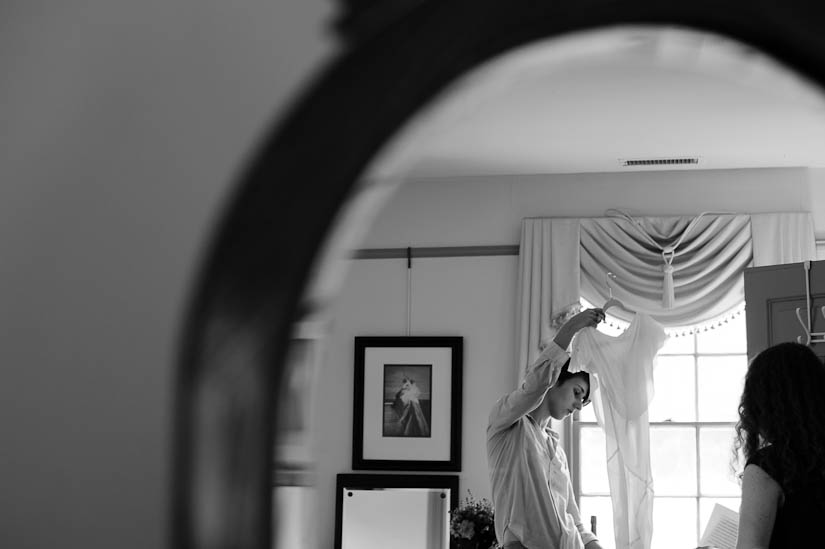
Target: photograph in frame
<point>407,400</point>
<point>407,403</point>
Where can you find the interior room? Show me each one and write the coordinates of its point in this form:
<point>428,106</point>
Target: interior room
<point>551,131</point>
<point>127,128</point>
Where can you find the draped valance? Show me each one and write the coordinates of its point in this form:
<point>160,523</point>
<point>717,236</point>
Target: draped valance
<point>681,270</point>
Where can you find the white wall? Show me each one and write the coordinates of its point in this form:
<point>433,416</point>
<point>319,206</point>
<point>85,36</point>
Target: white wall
<point>488,210</point>
<point>475,297</point>
<point>470,297</point>
<point>123,125</point>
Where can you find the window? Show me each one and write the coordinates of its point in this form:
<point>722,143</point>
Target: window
<point>698,381</point>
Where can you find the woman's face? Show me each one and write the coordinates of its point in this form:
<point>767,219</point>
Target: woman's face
<point>561,400</point>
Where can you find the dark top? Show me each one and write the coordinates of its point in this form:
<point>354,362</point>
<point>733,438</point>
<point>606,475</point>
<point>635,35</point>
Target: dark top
<point>801,513</point>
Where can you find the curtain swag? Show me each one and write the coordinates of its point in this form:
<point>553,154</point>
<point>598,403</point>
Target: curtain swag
<point>669,251</point>
<point>680,270</point>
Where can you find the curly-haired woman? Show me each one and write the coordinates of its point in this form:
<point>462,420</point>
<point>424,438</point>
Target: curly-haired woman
<point>781,433</point>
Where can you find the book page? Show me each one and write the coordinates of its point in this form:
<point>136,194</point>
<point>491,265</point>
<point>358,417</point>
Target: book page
<point>722,529</point>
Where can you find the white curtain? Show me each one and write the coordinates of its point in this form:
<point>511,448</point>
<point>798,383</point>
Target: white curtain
<point>548,283</point>
<point>782,238</point>
<point>680,270</point>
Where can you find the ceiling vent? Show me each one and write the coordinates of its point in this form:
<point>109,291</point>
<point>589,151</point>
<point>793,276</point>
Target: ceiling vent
<point>660,161</point>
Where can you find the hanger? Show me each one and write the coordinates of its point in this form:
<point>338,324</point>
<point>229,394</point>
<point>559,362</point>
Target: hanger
<point>612,301</point>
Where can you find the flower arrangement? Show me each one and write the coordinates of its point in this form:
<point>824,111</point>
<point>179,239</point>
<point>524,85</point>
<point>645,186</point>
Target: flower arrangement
<point>471,524</point>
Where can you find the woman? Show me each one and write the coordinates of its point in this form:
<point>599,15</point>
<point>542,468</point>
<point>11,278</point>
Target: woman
<point>532,493</point>
<point>781,432</point>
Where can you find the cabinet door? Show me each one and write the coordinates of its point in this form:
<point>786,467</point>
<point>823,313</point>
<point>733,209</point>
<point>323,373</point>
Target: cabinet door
<point>772,295</point>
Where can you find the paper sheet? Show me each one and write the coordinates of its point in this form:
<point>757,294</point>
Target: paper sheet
<point>722,529</point>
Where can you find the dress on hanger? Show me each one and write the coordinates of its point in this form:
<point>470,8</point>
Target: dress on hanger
<point>621,385</point>
<point>623,364</point>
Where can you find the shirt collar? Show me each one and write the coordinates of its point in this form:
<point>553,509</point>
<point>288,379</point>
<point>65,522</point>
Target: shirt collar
<point>547,429</point>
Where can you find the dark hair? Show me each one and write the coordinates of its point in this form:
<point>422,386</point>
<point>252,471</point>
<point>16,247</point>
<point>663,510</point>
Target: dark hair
<point>564,375</point>
<point>783,408</point>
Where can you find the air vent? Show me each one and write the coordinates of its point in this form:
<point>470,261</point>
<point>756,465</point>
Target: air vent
<point>660,161</point>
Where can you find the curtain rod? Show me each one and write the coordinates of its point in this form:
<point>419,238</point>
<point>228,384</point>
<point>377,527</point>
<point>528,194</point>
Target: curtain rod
<point>439,251</point>
<point>450,251</point>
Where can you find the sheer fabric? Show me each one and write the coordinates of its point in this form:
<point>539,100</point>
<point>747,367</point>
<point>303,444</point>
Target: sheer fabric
<point>621,384</point>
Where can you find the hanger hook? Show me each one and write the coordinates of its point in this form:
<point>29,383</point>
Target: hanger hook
<point>608,276</point>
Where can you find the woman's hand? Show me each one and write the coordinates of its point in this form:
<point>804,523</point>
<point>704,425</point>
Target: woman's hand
<point>593,545</point>
<point>588,318</point>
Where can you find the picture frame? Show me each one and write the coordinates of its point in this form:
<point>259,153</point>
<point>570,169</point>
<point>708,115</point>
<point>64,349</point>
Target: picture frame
<point>372,509</point>
<point>407,403</point>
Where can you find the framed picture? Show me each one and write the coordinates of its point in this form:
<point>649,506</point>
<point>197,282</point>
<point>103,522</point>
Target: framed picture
<point>407,403</point>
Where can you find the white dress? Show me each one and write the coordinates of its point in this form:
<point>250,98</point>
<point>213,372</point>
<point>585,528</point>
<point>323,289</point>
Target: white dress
<point>622,388</point>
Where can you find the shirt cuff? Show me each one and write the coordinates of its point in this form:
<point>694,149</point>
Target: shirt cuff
<point>588,536</point>
<point>552,353</point>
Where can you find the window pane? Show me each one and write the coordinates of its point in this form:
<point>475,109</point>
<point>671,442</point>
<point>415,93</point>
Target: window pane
<point>721,380</point>
<point>706,508</point>
<point>593,463</point>
<point>730,337</point>
<point>674,520</point>
<point>715,475</point>
<point>602,509</point>
<point>675,385</point>
<point>587,414</point>
<point>678,345</point>
<point>673,460</point>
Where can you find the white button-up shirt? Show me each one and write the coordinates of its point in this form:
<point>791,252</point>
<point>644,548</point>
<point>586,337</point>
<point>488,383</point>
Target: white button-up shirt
<point>532,494</point>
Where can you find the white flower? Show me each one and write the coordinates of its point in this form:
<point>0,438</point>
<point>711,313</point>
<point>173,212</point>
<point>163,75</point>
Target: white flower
<point>466,529</point>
